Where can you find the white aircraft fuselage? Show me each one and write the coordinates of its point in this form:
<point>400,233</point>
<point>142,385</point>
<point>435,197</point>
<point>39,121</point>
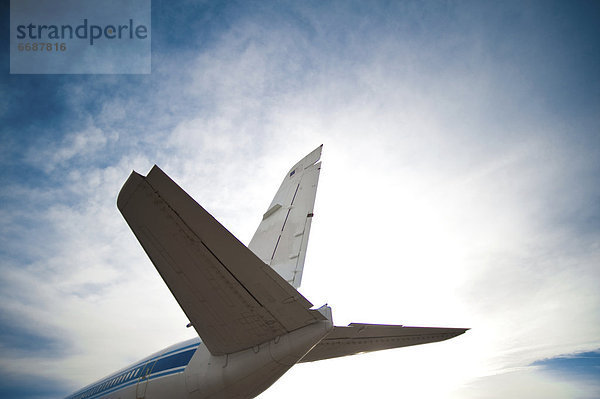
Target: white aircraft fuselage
<point>189,370</point>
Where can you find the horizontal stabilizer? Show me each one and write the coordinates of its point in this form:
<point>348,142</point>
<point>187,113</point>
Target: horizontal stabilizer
<point>360,338</point>
<point>233,299</point>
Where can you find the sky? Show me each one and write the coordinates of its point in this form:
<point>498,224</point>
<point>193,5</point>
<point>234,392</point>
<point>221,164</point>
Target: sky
<point>460,187</point>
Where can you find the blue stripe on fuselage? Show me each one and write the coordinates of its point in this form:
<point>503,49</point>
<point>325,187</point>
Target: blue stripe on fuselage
<point>158,366</point>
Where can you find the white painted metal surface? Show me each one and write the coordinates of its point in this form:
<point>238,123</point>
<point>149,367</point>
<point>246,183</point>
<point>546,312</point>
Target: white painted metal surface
<point>282,236</point>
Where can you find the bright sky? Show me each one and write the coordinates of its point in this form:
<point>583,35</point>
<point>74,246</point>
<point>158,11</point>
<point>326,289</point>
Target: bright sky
<point>460,187</point>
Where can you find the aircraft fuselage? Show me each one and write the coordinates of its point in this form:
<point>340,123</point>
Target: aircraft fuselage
<point>241,375</point>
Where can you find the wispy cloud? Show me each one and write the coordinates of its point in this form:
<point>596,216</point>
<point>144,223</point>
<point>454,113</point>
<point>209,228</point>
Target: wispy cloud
<point>453,192</point>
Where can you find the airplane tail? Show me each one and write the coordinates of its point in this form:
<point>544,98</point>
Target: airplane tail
<point>233,300</point>
<point>237,297</point>
<point>282,236</point>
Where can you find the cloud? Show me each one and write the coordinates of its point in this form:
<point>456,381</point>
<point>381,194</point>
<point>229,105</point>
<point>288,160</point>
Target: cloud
<point>29,386</point>
<point>74,149</point>
<point>527,381</point>
<point>578,366</point>
<point>450,195</point>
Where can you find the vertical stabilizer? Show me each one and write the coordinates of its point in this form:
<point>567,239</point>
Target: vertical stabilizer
<point>282,236</point>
